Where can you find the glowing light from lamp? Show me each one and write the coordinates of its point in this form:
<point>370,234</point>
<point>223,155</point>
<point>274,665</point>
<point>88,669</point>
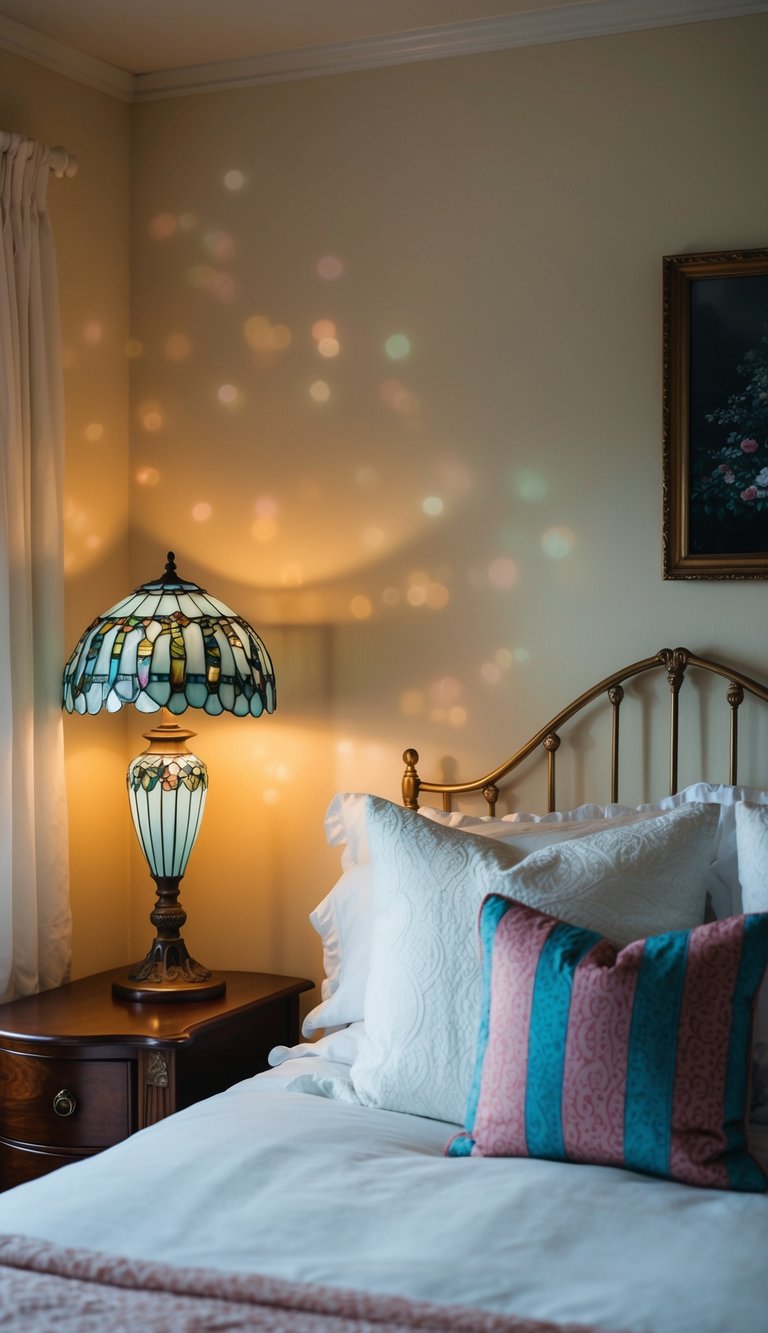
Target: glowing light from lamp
<point>93,333</point>
<point>432,506</point>
<point>234,180</point>
<point>150,416</point>
<point>361,607</point>
<point>228,395</point>
<point>94,432</point>
<point>320,392</point>
<point>147,476</point>
<point>202,512</point>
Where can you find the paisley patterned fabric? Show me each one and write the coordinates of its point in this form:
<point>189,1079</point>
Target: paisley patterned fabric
<point>636,1057</point>
<point>49,1287</point>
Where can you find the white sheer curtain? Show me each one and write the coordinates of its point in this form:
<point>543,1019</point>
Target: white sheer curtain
<point>35,923</point>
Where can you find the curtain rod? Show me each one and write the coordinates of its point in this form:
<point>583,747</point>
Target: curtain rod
<point>60,161</point>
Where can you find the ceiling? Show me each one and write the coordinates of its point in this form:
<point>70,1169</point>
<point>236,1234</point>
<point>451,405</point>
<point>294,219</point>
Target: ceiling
<point>143,49</point>
<point>148,35</point>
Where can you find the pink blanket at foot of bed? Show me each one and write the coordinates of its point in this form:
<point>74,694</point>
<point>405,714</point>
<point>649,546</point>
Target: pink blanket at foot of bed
<point>50,1287</point>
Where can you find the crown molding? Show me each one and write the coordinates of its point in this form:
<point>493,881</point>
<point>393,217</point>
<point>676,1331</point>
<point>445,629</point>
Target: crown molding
<point>590,18</point>
<point>24,41</point>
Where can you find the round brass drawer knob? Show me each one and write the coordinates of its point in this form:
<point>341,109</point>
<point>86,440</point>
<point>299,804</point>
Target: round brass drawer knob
<point>64,1103</point>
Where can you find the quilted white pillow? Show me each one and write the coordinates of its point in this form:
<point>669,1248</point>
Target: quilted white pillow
<point>422,1002</point>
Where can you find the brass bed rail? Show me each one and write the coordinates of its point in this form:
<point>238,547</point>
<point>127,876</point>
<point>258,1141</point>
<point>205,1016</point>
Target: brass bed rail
<point>674,661</point>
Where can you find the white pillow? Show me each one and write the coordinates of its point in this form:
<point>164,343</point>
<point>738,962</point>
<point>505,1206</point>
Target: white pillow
<point>344,919</point>
<point>752,844</point>
<point>723,884</point>
<point>422,1002</point>
<point>344,922</point>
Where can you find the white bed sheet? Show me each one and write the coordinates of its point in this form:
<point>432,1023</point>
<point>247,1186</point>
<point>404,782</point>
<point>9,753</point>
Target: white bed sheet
<point>267,1179</point>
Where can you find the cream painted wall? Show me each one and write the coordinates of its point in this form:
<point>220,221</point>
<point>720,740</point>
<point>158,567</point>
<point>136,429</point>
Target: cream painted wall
<point>507,215</point>
<point>90,218</point>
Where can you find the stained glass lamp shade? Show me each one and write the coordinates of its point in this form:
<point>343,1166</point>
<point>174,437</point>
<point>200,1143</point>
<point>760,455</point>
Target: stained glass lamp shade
<point>170,646</point>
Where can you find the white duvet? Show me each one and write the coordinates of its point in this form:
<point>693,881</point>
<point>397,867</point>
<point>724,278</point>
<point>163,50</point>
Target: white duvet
<point>265,1178</point>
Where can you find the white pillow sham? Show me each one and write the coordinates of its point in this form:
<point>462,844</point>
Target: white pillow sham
<point>344,919</point>
<point>423,996</point>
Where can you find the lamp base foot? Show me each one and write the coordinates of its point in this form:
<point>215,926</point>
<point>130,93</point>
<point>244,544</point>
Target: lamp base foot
<point>168,992</point>
<point>169,973</point>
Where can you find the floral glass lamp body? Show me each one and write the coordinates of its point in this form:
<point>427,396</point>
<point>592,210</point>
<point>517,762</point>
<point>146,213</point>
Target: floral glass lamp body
<point>169,646</point>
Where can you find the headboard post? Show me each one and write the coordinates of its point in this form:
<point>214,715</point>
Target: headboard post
<point>735,697</point>
<point>551,744</point>
<point>615,694</point>
<point>675,660</point>
<point>410,780</point>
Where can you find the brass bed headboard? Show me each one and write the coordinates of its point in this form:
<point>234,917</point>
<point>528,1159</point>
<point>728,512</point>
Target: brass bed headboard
<point>674,661</point>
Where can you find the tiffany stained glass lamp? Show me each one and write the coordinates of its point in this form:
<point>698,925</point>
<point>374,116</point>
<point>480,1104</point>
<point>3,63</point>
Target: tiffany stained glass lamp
<point>170,646</point>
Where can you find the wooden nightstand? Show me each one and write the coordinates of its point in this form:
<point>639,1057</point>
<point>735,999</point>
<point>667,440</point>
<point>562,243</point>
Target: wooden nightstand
<point>80,1069</point>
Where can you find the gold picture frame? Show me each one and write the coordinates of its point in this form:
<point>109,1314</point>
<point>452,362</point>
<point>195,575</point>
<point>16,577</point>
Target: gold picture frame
<point>715,408</point>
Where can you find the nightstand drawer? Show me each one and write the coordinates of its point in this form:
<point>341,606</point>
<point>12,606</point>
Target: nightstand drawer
<point>70,1104</point>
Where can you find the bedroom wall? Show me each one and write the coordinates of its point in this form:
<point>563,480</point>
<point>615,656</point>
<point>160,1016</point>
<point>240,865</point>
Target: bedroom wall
<point>90,218</point>
<point>398,401</point>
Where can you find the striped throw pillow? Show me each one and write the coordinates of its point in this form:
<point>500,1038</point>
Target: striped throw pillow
<point>636,1057</point>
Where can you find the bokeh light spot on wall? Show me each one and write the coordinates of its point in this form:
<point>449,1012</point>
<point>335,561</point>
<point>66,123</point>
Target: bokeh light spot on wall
<point>149,415</point>
<point>490,673</point>
<point>320,391</point>
<point>93,333</point>
<point>457,716</point>
<point>264,336</point>
<point>323,328</point>
<point>397,346</point>
<point>330,267</point>
<point>271,796</point>
<point>530,485</point>
<point>177,347</point>
<point>361,607</point>
<point>503,573</point>
<point>228,395</point>
<point>558,542</point>
<point>411,703</point>
<point>93,542</point>
<point>503,658</point>
<point>455,477</point>
<point>219,244</point>
<point>162,226</point>
<point>147,476</point>
<point>292,575</point>
<point>367,478</point>
<point>187,221</point>
<point>234,180</point>
<point>94,432</point>
<point>133,349</point>
<point>432,506</point>
<point>390,596</point>
<point>445,692</point>
<point>202,512</point>
<point>218,283</point>
<point>436,596</point>
<point>522,655</point>
<point>328,347</point>
<point>373,538</point>
<point>399,398</point>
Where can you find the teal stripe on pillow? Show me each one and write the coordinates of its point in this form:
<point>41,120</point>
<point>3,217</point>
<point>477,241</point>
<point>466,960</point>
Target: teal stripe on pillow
<point>560,956</point>
<point>650,1094</point>
<point>743,1171</point>
<point>489,920</point>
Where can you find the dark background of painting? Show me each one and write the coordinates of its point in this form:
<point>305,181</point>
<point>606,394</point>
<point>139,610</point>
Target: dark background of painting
<point>728,316</point>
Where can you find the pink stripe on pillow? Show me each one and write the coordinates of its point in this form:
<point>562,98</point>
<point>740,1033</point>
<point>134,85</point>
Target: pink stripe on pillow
<point>519,940</point>
<point>704,1033</point>
<point>597,1046</point>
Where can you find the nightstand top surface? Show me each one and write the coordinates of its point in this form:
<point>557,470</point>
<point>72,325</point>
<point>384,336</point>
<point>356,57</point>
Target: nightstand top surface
<point>86,1010</point>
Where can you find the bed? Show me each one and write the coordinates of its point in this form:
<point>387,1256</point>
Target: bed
<point>533,1095</point>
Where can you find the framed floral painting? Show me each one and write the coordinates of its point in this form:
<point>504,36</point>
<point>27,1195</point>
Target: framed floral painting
<point>716,415</point>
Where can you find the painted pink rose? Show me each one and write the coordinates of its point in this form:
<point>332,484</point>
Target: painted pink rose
<point>748,446</point>
<point>749,494</point>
